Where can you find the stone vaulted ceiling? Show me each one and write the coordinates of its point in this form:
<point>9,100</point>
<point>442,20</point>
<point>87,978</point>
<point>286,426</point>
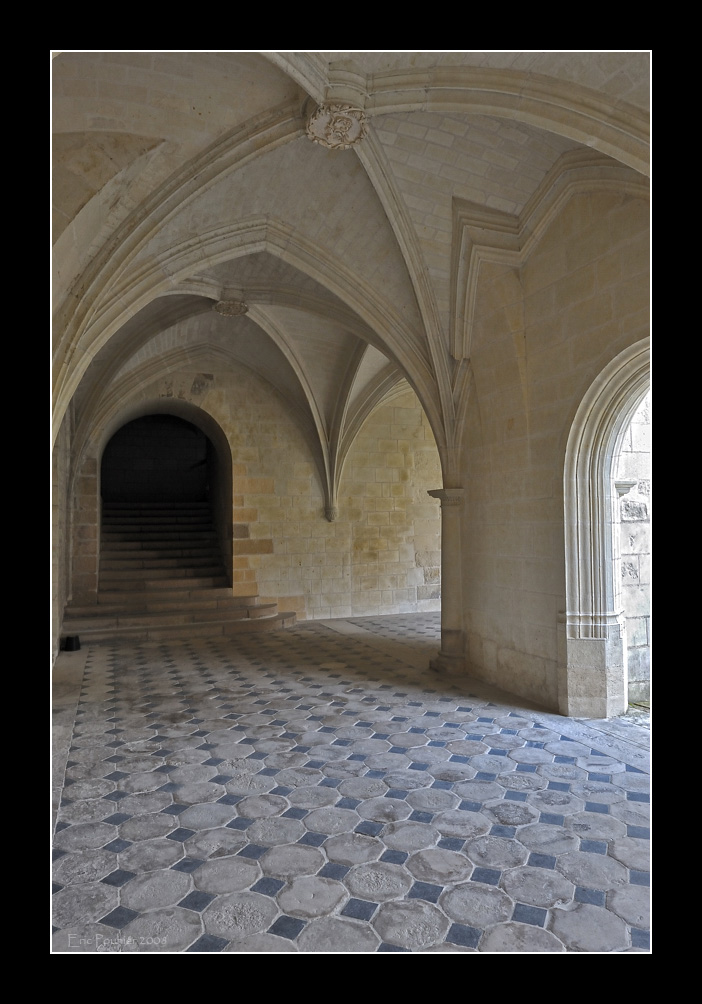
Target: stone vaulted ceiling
<point>185,179</point>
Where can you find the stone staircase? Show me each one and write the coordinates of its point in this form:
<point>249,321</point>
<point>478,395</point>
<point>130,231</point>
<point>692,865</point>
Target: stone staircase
<point>162,577</point>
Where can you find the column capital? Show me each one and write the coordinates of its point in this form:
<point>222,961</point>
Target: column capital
<point>448,496</point>
<point>623,487</point>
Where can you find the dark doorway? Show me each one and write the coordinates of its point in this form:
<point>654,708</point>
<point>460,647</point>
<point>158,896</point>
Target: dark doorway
<point>157,458</point>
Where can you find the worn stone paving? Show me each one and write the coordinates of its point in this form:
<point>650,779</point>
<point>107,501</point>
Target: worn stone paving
<point>320,790</point>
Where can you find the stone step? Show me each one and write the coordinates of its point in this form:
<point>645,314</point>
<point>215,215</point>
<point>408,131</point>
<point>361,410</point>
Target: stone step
<point>74,624</point>
<point>169,506</point>
<point>206,560</point>
<point>179,571</point>
<point>122,551</point>
<point>145,632</point>
<point>161,514</point>
<point>166,600</point>
<point>154,582</point>
<point>218,594</point>
<point>158,512</point>
<point>160,531</point>
<point>140,535</point>
<point>146,507</point>
<point>155,550</point>
<point>161,577</point>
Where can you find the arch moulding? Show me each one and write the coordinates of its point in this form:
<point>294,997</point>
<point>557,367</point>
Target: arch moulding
<point>592,661</point>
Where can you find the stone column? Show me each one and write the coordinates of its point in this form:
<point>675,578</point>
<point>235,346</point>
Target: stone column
<point>451,657</point>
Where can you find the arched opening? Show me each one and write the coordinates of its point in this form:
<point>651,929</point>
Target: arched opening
<point>593,661</point>
<point>633,482</point>
<point>163,477</point>
<point>157,458</point>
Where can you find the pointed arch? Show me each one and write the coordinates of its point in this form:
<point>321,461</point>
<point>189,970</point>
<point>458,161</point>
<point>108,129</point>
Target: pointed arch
<point>592,667</point>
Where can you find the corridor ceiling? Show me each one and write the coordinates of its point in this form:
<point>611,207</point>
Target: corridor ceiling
<point>185,181</point>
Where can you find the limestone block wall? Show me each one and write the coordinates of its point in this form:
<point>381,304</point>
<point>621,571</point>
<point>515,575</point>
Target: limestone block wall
<point>543,333</point>
<point>635,548</point>
<point>60,530</point>
<point>85,534</point>
<point>382,553</point>
<point>75,530</point>
<point>394,527</point>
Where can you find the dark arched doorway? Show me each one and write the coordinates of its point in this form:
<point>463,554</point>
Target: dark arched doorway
<point>164,488</point>
<point>157,458</point>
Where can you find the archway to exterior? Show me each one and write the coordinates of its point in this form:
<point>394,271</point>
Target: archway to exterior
<point>633,482</point>
<point>593,662</point>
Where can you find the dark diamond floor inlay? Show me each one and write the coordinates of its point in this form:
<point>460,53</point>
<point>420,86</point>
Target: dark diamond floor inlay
<point>352,804</point>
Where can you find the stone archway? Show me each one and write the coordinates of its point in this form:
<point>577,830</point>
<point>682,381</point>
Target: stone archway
<point>592,660</point>
<point>87,491</point>
<point>183,455</point>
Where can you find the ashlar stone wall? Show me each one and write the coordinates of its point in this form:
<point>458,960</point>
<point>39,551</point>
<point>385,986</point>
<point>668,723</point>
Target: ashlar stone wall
<point>544,332</point>
<point>381,555</point>
<point>394,527</point>
<point>60,529</point>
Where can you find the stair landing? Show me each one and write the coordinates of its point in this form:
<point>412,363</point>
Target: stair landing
<point>162,577</point>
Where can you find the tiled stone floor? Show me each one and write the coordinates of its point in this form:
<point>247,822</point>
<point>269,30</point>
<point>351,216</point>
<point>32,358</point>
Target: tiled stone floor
<point>319,790</point>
